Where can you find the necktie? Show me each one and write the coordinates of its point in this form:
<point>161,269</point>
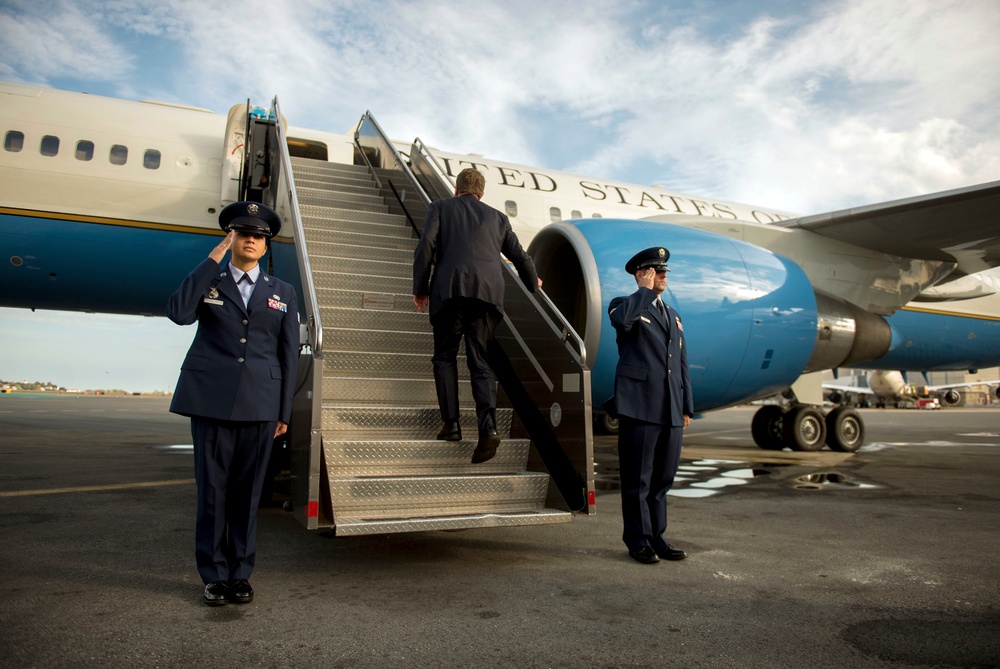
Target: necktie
<point>663,311</point>
<point>245,286</point>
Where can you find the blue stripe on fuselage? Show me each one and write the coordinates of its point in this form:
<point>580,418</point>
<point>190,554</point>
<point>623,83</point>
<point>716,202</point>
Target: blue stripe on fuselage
<point>109,267</point>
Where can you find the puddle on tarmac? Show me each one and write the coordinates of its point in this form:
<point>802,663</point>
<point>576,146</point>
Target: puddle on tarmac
<point>706,478</point>
<point>831,480</point>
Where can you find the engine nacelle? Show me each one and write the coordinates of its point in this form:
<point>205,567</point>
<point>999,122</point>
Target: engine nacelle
<point>846,334</point>
<point>951,397</point>
<point>749,315</point>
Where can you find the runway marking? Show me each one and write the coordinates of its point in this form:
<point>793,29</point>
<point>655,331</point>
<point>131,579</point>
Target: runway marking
<point>95,488</point>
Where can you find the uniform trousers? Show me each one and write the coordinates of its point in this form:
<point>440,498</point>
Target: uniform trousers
<point>648,457</point>
<point>475,321</point>
<point>230,464</point>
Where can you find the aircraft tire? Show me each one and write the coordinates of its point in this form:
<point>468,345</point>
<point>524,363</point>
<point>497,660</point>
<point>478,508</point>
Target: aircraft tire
<point>606,424</point>
<point>766,428</point>
<point>845,431</point>
<point>804,428</point>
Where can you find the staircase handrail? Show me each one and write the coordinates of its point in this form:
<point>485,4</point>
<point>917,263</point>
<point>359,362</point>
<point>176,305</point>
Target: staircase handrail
<point>292,216</point>
<point>397,160</point>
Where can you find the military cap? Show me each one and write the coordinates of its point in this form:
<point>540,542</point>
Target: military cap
<point>655,257</point>
<point>250,217</point>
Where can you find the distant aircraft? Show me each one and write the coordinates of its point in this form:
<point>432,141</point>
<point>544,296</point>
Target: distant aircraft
<point>105,205</point>
<point>891,387</point>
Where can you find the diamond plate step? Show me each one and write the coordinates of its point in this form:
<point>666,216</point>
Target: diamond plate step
<point>419,458</point>
<point>536,517</point>
<point>385,341</point>
<point>374,319</point>
<point>395,295</point>
<point>380,365</point>
<point>429,496</point>
<point>387,392</point>
<point>399,422</point>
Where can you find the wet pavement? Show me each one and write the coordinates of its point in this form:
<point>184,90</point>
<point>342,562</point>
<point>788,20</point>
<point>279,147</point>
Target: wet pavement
<point>885,558</point>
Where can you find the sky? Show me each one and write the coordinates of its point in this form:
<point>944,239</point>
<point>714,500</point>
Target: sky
<point>794,105</point>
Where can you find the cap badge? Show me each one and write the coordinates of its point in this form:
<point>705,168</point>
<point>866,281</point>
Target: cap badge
<point>253,209</point>
<point>662,252</point>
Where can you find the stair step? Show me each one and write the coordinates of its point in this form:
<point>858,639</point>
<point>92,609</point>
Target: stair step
<point>399,299</point>
<point>385,341</point>
<point>387,392</point>
<point>340,199</point>
<point>363,260</point>
<point>362,238</point>
<point>313,215</point>
<point>400,422</point>
<point>431,496</point>
<point>348,527</point>
<point>377,364</point>
<point>374,319</point>
<point>326,231</point>
<point>357,458</point>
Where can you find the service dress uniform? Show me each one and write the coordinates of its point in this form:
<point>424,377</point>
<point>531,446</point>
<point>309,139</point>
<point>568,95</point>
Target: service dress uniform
<point>236,383</point>
<point>652,396</point>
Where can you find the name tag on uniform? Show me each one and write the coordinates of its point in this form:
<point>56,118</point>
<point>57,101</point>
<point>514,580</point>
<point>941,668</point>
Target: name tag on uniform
<point>644,319</point>
<point>209,300</point>
<point>275,304</point>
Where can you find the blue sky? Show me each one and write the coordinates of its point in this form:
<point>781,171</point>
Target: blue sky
<point>801,106</point>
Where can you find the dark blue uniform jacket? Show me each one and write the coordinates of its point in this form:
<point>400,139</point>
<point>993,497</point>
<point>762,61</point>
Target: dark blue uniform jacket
<point>652,383</point>
<point>241,365</point>
<point>462,241</point>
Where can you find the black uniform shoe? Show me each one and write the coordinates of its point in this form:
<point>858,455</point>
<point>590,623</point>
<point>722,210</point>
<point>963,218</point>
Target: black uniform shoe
<point>671,553</point>
<point>450,431</point>
<point>216,593</point>
<point>487,447</point>
<point>240,591</point>
<point>645,555</point>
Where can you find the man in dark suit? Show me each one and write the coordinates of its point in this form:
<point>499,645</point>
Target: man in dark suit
<point>653,403</point>
<point>236,385</point>
<point>461,242</point>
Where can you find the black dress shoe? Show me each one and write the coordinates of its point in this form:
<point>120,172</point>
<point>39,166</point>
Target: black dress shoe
<point>671,553</point>
<point>240,591</point>
<point>487,447</point>
<point>216,593</point>
<point>450,431</point>
<point>645,555</point>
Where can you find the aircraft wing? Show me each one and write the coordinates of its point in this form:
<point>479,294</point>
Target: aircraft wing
<point>949,386</point>
<point>958,225</point>
<point>861,390</point>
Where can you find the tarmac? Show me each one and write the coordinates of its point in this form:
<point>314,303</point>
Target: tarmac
<point>884,558</point>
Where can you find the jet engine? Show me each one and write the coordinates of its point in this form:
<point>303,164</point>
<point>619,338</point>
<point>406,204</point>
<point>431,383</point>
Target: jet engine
<point>752,320</point>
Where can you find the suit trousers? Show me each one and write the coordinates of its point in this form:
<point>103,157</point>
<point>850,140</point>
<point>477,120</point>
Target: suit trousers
<point>648,457</point>
<point>475,321</point>
<point>230,463</point>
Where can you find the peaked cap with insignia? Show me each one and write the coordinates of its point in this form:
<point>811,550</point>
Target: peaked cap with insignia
<point>250,217</point>
<point>655,257</point>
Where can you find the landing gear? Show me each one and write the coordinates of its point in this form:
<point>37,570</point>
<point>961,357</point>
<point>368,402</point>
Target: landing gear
<point>845,431</point>
<point>804,428</point>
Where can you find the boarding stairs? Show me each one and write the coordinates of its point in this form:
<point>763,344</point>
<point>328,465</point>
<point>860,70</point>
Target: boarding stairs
<point>371,463</point>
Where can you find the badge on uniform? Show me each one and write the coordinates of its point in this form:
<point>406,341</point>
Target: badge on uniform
<point>275,304</point>
<point>679,326</point>
<point>644,319</point>
<point>213,292</point>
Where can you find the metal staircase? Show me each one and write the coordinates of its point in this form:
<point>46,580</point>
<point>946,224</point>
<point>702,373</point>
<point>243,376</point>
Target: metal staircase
<point>363,453</point>
<point>384,468</point>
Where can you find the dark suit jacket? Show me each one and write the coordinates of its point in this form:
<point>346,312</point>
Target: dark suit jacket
<point>652,383</point>
<point>241,365</point>
<point>462,241</point>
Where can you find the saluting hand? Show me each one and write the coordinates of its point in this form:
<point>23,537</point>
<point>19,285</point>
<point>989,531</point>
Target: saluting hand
<point>219,252</point>
<point>646,277</point>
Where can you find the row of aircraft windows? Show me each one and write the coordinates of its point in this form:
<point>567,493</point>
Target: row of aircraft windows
<point>555,213</point>
<point>13,141</point>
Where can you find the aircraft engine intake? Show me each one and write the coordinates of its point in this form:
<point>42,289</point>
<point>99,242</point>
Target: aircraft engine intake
<point>749,315</point>
<point>846,334</point>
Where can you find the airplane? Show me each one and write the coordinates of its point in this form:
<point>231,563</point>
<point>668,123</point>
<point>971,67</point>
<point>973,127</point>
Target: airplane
<point>95,191</point>
<point>892,387</point>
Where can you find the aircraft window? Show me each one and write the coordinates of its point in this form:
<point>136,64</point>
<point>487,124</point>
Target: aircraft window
<point>511,207</point>
<point>555,214</point>
<point>13,141</point>
<point>50,145</point>
<point>119,154</point>
<point>596,216</point>
<point>151,159</point>
<point>575,214</point>
<point>84,150</point>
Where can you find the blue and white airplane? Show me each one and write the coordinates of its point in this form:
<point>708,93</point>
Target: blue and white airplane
<point>96,191</point>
